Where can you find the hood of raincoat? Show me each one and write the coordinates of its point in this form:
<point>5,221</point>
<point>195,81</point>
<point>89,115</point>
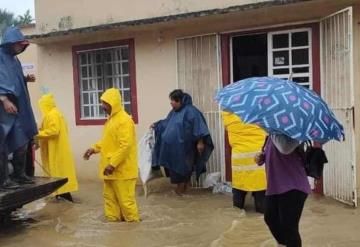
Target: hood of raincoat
<point>46,103</point>
<point>13,35</point>
<point>186,100</point>
<point>113,98</point>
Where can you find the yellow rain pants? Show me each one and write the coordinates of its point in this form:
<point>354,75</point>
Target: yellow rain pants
<point>245,140</point>
<point>120,203</point>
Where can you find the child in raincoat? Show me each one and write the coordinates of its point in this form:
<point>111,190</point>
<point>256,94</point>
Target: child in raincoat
<point>118,160</point>
<point>56,155</point>
<point>246,140</point>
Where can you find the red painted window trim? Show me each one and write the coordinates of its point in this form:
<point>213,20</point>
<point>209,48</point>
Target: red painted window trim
<point>225,68</point>
<point>225,64</point>
<point>75,49</point>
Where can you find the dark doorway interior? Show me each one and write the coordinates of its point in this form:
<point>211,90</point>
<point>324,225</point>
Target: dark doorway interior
<point>249,56</point>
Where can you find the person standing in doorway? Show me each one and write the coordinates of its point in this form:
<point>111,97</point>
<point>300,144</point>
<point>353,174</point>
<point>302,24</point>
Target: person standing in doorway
<point>17,118</point>
<point>246,140</point>
<point>118,160</point>
<point>287,190</point>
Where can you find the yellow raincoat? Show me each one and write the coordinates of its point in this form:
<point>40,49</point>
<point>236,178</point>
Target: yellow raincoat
<point>56,155</point>
<point>245,140</point>
<point>118,148</point>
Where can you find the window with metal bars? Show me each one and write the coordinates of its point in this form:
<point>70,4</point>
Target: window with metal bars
<point>289,54</point>
<point>99,70</point>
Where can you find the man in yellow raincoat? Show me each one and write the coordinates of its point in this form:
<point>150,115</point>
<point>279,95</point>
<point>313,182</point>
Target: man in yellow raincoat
<point>246,140</point>
<point>118,160</point>
<point>56,155</point>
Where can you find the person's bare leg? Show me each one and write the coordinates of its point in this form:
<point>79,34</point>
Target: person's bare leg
<point>183,187</point>
<point>186,186</point>
<point>177,190</point>
<point>180,189</point>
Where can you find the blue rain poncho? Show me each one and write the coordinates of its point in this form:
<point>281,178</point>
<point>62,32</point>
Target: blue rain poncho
<point>18,129</point>
<point>176,138</point>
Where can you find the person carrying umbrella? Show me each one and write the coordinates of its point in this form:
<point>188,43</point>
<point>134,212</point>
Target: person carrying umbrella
<point>292,115</point>
<point>288,188</point>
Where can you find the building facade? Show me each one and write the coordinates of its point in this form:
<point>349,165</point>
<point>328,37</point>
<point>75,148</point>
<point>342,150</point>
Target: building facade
<point>148,48</point>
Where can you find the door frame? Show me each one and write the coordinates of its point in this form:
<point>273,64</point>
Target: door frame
<point>226,68</point>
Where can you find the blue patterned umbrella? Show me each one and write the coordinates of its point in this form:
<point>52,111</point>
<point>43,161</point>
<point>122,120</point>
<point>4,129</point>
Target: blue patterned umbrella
<point>281,106</point>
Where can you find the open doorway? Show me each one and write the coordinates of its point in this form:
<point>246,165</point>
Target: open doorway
<point>280,52</point>
<point>249,56</point>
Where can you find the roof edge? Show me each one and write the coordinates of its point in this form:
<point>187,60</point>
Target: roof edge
<point>161,19</point>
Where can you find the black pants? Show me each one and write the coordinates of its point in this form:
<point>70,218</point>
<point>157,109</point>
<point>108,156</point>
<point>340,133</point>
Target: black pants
<point>29,167</point>
<point>282,215</point>
<point>19,161</point>
<point>19,164</point>
<point>4,171</point>
<point>239,199</point>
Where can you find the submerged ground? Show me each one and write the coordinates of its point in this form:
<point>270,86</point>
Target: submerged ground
<point>198,219</point>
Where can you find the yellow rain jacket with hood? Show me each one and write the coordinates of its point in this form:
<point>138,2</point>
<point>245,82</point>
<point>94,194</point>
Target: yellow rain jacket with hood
<point>118,148</point>
<point>56,154</point>
<point>246,140</point>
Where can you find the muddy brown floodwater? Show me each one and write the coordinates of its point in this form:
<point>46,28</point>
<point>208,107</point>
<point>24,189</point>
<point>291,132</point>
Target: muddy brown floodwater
<point>198,219</point>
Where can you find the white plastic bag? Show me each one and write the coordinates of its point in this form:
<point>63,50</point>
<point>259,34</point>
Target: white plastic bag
<point>212,179</point>
<point>223,188</point>
<point>145,148</point>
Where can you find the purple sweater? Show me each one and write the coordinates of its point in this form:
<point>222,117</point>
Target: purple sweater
<point>284,172</point>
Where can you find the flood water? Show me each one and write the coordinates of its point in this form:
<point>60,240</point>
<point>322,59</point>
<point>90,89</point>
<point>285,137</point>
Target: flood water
<point>198,219</point>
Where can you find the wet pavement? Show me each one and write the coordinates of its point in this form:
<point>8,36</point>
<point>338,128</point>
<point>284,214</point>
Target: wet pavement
<point>197,219</point>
